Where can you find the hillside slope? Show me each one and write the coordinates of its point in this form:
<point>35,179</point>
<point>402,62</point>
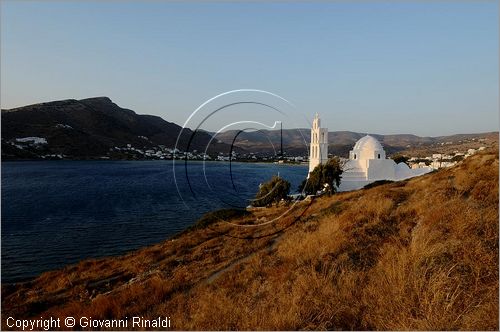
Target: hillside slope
<point>90,127</point>
<point>341,142</point>
<point>420,254</point>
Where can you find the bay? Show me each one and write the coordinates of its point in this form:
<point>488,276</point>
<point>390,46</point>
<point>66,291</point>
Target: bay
<point>56,213</point>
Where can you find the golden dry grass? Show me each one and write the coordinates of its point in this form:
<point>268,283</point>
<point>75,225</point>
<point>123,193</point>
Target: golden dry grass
<point>413,255</point>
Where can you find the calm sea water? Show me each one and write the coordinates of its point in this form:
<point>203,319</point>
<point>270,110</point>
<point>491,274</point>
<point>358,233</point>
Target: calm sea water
<point>56,213</point>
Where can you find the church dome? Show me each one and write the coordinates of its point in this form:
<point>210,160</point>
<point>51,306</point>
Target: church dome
<point>369,143</point>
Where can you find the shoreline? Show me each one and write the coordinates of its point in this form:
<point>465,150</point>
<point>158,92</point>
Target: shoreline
<point>98,258</point>
<point>157,174</point>
<point>159,160</point>
<point>193,271</point>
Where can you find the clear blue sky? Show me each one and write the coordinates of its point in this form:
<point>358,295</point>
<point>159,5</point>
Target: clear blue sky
<point>424,68</point>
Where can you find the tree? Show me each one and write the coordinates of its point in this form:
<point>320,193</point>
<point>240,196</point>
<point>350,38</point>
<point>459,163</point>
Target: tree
<point>324,177</point>
<point>272,191</point>
<point>400,159</point>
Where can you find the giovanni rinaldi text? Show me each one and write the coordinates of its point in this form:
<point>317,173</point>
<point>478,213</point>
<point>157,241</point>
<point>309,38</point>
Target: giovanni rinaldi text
<point>87,323</point>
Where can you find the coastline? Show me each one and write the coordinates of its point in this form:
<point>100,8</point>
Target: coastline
<point>161,160</point>
<point>108,208</point>
<point>320,258</point>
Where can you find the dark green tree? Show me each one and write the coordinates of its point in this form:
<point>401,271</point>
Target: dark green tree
<point>399,158</point>
<point>272,191</point>
<point>328,174</point>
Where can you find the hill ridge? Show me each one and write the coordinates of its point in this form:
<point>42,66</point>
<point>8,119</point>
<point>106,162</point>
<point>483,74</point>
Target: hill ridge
<point>91,128</point>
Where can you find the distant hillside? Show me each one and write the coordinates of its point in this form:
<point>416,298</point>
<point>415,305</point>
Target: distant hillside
<point>340,142</point>
<point>88,128</point>
<point>92,128</point>
<point>420,254</point>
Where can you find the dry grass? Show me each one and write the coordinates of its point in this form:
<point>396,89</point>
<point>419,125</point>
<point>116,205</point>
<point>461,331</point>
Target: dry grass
<point>414,255</point>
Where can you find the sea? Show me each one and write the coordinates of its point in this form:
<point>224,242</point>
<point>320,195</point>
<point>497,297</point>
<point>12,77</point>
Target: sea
<point>55,213</point>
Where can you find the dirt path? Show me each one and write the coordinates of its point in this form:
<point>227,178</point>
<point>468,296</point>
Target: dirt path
<point>269,248</point>
<point>218,273</point>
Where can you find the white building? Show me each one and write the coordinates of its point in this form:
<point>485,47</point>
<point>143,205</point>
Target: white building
<point>318,153</point>
<point>368,163</point>
<point>436,156</point>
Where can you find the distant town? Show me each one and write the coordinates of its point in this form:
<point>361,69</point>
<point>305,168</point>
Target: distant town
<point>161,152</point>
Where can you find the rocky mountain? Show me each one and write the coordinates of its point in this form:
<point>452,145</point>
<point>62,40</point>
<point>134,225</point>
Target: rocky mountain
<point>87,129</point>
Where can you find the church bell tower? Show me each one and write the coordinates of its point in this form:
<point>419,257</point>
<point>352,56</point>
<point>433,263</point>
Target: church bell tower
<point>318,153</point>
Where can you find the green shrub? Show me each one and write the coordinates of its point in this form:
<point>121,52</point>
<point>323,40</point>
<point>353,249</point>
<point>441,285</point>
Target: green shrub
<point>273,191</point>
<point>328,173</point>
<point>400,159</point>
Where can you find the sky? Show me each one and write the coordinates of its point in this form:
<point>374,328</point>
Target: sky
<point>425,68</point>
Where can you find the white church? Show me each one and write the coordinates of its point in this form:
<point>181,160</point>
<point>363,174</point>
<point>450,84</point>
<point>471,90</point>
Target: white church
<point>367,161</point>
